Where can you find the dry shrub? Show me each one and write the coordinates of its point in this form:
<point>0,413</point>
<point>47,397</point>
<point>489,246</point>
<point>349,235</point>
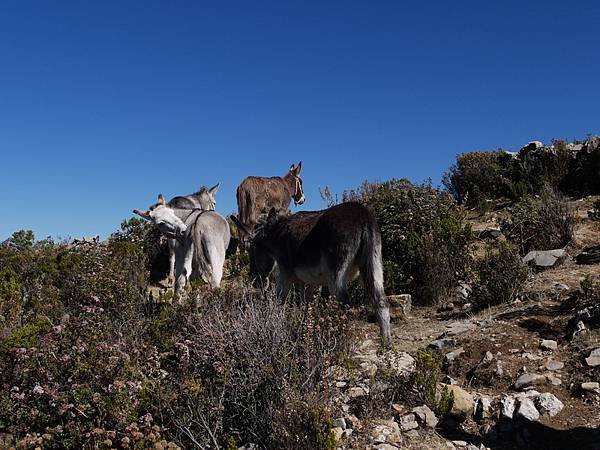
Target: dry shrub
<point>540,223</point>
<point>499,277</point>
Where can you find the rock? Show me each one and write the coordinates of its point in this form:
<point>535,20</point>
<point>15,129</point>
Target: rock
<point>460,443</point>
<point>400,363</point>
<point>398,408</point>
<point>554,365</point>
<point>591,386</point>
<point>453,355</point>
<point>340,423</point>
<point>545,258</point>
<point>554,380</point>
<point>412,433</point>
<point>547,403</point>
<point>338,433</point>
<point>340,384</point>
<point>457,328</point>
<point>529,379</point>
<point>425,416</point>
<point>440,344</point>
<point>356,392</point>
<point>347,433</point>
<point>507,407</point>
<point>408,422</point>
<point>483,409</point>
<point>594,359</point>
<point>549,344</point>
<point>525,408</point>
<point>462,406</point>
<point>386,431</point>
<point>368,369</point>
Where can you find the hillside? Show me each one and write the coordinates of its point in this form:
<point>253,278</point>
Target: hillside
<point>96,353</point>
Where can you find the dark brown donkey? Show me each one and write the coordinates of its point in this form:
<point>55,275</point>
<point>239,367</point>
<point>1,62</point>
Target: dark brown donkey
<point>322,248</point>
<point>257,195</point>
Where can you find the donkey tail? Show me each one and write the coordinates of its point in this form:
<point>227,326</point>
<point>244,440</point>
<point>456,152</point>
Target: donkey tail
<point>372,272</point>
<point>210,258</point>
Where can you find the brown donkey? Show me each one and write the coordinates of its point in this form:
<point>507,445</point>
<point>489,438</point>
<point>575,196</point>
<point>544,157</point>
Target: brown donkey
<point>256,196</point>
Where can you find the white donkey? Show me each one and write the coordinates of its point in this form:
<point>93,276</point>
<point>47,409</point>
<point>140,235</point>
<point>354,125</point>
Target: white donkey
<point>201,238</point>
<point>204,199</point>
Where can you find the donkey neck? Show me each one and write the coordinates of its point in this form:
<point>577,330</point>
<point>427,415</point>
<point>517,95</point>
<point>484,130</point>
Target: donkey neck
<point>290,181</point>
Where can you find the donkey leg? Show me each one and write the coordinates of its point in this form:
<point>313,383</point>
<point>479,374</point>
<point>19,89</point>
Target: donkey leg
<point>283,286</point>
<point>171,277</point>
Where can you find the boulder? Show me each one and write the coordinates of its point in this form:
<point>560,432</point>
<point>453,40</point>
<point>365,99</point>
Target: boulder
<point>554,365</point>
<point>525,409</point>
<point>400,363</point>
<point>425,416</point>
<point>440,344</point>
<point>549,344</point>
<point>545,258</point>
<point>408,422</point>
<point>340,423</point>
<point>386,431</point>
<point>594,359</point>
<point>528,380</point>
<point>457,328</point>
<point>462,406</point>
<point>591,386</point>
<point>547,403</point>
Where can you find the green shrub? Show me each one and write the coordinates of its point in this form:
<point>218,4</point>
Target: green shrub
<point>540,223</point>
<point>499,277</point>
<point>424,237</point>
<point>425,382</point>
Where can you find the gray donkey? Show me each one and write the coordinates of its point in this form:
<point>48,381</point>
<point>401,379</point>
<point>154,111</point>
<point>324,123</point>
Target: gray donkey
<point>322,248</point>
<point>257,195</point>
<point>201,238</point>
<point>204,199</point>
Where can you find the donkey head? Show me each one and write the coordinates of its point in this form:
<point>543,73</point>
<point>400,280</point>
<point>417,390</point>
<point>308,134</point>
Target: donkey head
<point>206,197</point>
<point>261,261</point>
<point>298,195</point>
<point>164,218</point>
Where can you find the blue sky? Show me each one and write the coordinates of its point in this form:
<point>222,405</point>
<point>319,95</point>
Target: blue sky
<point>103,105</point>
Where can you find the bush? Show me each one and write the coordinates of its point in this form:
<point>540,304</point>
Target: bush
<point>573,169</point>
<point>480,176</point>
<point>499,277</point>
<point>425,382</point>
<point>424,237</point>
<point>540,223</point>
<point>84,362</point>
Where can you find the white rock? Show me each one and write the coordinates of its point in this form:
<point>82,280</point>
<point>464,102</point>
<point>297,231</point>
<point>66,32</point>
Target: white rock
<point>594,359</point>
<point>591,386</point>
<point>554,365</point>
<point>525,408</point>
<point>507,407</point>
<point>401,363</point>
<point>425,416</point>
<point>547,403</point>
<point>408,422</point>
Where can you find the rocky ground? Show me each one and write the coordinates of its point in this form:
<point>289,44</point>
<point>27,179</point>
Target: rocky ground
<point>524,375</point>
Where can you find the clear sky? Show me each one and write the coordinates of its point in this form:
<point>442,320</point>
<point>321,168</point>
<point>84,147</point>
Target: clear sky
<point>105,104</point>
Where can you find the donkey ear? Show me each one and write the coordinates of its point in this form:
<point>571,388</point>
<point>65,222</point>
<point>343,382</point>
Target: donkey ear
<point>144,214</point>
<point>272,215</point>
<point>213,190</point>
<point>298,169</point>
<point>292,168</point>
<point>161,199</point>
